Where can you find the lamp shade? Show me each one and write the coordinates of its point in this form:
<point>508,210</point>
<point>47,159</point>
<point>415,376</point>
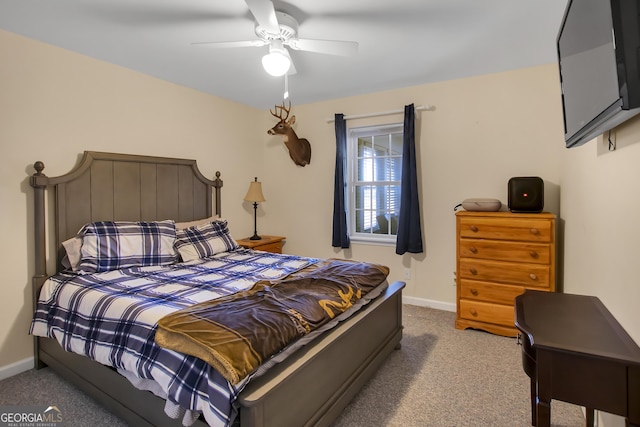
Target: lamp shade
<point>255,192</point>
<point>276,62</point>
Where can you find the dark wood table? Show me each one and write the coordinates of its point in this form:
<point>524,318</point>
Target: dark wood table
<point>574,350</point>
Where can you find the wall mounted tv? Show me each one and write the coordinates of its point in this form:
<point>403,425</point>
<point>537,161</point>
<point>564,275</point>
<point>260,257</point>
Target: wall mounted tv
<point>598,54</point>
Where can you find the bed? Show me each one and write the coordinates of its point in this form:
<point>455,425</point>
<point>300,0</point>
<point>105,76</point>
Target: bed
<point>310,386</point>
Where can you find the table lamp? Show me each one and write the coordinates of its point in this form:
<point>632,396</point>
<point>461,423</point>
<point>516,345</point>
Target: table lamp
<point>255,195</point>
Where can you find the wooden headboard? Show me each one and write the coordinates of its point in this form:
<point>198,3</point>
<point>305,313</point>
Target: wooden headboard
<point>119,187</point>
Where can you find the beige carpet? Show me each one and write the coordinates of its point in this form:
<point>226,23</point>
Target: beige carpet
<point>447,377</point>
<point>440,377</point>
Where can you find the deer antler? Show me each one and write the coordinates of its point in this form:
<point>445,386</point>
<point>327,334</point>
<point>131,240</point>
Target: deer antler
<point>280,110</point>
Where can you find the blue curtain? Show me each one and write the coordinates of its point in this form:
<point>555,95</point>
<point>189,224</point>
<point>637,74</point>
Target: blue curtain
<point>409,238</point>
<point>340,237</point>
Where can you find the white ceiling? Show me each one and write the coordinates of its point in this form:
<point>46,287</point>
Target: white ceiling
<point>401,42</point>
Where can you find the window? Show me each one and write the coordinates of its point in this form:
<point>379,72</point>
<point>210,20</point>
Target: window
<point>374,158</point>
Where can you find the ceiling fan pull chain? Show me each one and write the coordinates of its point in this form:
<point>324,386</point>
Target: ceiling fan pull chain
<point>286,86</point>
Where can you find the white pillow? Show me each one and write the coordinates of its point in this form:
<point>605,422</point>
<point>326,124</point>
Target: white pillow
<point>182,225</point>
<point>72,247</point>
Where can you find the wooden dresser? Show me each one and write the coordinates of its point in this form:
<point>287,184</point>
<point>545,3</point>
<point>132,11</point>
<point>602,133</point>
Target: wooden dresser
<point>499,255</point>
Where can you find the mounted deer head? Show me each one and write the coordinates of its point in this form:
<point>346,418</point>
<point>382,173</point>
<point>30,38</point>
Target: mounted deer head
<point>299,148</point>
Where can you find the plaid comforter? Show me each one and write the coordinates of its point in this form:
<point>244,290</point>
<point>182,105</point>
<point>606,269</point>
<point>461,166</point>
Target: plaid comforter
<point>111,317</point>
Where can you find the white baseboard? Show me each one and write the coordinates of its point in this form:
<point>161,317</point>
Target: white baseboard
<point>422,302</point>
<point>16,368</point>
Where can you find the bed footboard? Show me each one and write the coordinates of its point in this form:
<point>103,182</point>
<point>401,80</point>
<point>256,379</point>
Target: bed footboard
<point>320,378</point>
<point>316,385</point>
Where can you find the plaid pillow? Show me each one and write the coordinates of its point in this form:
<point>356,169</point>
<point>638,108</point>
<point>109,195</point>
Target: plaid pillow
<point>203,241</point>
<point>109,245</point>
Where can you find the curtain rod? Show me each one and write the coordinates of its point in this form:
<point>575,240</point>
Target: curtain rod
<point>380,113</point>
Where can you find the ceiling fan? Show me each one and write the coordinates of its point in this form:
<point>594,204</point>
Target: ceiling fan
<point>278,30</point>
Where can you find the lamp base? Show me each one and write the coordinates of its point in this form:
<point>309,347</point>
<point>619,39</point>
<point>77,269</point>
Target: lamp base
<point>255,223</point>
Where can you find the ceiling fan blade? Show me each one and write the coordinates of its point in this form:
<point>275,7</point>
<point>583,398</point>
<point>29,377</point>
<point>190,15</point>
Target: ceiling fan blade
<point>265,15</point>
<point>331,47</point>
<point>224,45</point>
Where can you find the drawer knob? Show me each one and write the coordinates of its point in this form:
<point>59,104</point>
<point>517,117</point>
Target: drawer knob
<point>474,228</point>
<point>474,313</point>
<point>534,254</point>
<point>535,231</point>
<point>533,276</point>
<point>473,250</point>
<point>473,271</point>
<point>474,292</point>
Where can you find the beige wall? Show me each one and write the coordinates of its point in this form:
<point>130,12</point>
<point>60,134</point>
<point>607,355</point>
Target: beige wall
<point>600,210</point>
<point>481,132</point>
<point>55,104</point>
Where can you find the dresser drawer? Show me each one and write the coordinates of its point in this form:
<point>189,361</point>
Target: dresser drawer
<point>491,292</point>
<point>486,312</point>
<point>275,247</point>
<point>530,230</point>
<point>538,253</point>
<point>534,275</point>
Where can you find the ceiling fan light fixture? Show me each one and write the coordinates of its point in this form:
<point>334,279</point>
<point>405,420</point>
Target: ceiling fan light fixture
<point>276,62</point>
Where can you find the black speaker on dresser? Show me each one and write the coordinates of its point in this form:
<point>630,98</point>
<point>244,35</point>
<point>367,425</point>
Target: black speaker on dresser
<point>526,194</point>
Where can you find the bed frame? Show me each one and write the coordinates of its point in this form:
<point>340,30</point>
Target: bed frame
<point>312,387</point>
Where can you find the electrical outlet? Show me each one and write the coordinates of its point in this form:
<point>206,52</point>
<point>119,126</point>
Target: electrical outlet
<point>407,274</point>
<point>455,278</point>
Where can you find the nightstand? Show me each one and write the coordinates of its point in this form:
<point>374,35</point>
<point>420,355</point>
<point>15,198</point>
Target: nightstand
<point>267,243</point>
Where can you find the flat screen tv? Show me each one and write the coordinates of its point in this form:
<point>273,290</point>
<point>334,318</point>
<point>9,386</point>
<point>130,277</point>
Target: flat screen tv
<point>598,53</point>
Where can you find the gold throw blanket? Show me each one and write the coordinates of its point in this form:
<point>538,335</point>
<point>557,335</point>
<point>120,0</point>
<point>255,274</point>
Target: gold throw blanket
<point>235,334</point>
